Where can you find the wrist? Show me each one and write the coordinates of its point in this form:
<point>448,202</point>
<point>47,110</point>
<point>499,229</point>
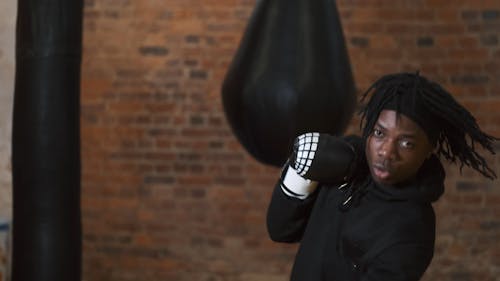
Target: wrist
<point>295,185</point>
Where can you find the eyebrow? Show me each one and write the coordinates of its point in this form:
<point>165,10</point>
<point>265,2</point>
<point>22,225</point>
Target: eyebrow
<point>404,134</point>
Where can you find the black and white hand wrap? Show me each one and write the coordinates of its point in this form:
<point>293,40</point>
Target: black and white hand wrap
<point>304,150</point>
<point>296,186</point>
<point>293,182</point>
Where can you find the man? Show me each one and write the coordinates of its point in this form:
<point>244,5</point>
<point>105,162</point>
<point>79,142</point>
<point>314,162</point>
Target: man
<point>361,206</point>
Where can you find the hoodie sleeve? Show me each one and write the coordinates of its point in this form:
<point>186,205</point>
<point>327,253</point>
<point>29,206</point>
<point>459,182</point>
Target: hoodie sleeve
<point>290,207</point>
<point>287,216</point>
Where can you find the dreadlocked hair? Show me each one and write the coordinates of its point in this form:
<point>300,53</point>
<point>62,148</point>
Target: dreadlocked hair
<point>457,131</point>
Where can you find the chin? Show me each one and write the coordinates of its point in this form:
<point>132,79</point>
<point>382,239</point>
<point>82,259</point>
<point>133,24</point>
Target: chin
<point>387,181</point>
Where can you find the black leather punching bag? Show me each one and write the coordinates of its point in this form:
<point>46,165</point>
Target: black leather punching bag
<point>46,142</point>
<point>291,74</point>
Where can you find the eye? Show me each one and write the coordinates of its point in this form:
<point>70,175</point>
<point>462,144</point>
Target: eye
<point>377,133</point>
<point>406,144</point>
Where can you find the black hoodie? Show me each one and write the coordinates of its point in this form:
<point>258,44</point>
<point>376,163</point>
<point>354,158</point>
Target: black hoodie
<point>380,234</point>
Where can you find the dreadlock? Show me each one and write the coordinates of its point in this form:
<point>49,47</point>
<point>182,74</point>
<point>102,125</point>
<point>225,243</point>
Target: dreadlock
<point>449,126</point>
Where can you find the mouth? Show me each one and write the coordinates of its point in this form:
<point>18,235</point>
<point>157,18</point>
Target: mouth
<point>381,171</point>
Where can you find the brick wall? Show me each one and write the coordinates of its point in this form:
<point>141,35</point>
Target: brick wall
<point>169,193</point>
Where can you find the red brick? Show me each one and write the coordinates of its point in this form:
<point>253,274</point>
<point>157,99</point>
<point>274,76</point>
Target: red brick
<point>168,192</point>
<point>469,54</point>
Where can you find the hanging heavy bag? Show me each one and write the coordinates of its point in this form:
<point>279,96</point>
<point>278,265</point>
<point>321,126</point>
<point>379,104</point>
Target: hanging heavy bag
<point>290,75</point>
<point>46,142</point>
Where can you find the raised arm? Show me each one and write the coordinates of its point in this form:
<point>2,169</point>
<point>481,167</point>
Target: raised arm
<point>316,158</point>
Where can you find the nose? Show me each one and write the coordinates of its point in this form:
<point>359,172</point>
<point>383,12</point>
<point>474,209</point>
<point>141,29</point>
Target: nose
<point>387,150</point>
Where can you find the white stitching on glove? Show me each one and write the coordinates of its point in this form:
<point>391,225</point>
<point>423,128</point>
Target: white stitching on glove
<point>305,148</point>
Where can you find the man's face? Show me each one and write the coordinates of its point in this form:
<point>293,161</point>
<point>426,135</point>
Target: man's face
<point>396,148</point>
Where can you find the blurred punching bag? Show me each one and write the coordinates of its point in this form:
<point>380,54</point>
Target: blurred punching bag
<point>46,141</point>
<point>291,74</point>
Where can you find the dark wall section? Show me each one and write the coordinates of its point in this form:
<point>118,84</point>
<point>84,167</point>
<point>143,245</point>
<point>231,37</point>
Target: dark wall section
<point>45,142</point>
